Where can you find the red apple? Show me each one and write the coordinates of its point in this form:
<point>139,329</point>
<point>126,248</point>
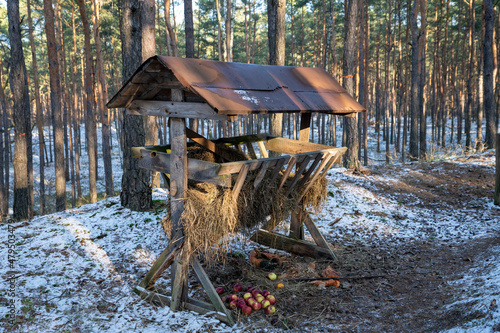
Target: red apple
<point>237,288</point>
<point>256,306</point>
<point>260,298</point>
<point>232,297</point>
<point>265,293</point>
<point>265,303</point>
<point>270,310</point>
<point>271,299</point>
<point>246,310</point>
<point>219,290</point>
<point>246,296</point>
<point>233,304</point>
<point>250,301</point>
<point>241,303</point>
<point>255,292</point>
<point>250,288</point>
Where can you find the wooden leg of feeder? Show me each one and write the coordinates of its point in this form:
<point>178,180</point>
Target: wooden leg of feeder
<point>210,290</point>
<point>305,126</point>
<point>178,186</point>
<point>315,233</point>
<point>165,259</point>
<point>180,281</point>
<point>296,225</point>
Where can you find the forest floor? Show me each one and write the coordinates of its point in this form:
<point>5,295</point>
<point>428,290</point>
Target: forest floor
<point>418,244</point>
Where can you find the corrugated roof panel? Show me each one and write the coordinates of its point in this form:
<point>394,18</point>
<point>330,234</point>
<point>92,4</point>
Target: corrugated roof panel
<point>236,88</point>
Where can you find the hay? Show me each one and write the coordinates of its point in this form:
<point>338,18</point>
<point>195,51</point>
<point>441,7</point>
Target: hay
<point>211,215</point>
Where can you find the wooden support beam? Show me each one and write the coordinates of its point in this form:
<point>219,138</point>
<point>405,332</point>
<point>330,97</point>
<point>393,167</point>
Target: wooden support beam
<point>305,126</point>
<point>315,233</point>
<point>261,174</point>
<point>284,243</point>
<point>178,187</point>
<point>302,167</point>
<point>239,181</point>
<point>210,290</point>
<point>251,151</point>
<point>289,146</point>
<point>296,226</point>
<point>165,259</point>
<point>263,149</point>
<point>291,164</point>
<point>173,109</point>
<point>197,169</point>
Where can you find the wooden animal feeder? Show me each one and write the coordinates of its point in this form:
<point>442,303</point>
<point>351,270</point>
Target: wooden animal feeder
<point>190,88</point>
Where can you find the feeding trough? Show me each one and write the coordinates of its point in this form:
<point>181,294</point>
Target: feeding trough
<point>240,166</point>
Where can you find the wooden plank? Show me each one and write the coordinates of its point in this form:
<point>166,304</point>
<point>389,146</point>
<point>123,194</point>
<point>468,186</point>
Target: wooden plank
<point>279,165</point>
<point>176,109</point>
<point>210,290</point>
<point>202,310</point>
<point>180,281</point>
<point>311,169</point>
<point>243,139</point>
<point>284,243</point>
<point>239,181</point>
<point>315,175</point>
<point>263,149</point>
<point>261,174</point>
<point>165,259</point>
<point>315,233</point>
<point>251,151</point>
<point>291,164</point>
<point>191,304</point>
<point>305,126</point>
<point>289,146</point>
<point>197,169</point>
<point>296,177</point>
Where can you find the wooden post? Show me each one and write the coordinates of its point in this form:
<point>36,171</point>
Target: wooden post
<point>178,186</point>
<point>305,126</point>
<point>497,178</point>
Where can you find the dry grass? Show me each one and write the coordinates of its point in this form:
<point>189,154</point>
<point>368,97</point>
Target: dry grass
<point>211,215</point>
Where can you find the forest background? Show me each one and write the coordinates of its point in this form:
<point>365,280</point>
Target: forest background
<point>426,71</point>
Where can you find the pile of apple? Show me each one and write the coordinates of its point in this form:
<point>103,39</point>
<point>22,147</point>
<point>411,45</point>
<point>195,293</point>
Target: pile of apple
<point>252,300</point>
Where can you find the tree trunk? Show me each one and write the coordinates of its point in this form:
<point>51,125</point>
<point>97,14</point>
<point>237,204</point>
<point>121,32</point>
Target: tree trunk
<point>4,164</point>
<point>89,114</point>
<point>422,41</point>
<point>170,31</point>
<point>470,76</point>
<point>414,83</point>
<point>136,192</point>
<point>38,106</point>
<point>276,22</point>
<point>351,160</point>
<point>220,42</point>
<point>229,37</point>
<point>76,116</point>
<point>189,29</point>
<point>489,97</point>
<point>55,104</point>
<point>102,91</point>
<point>6,140</point>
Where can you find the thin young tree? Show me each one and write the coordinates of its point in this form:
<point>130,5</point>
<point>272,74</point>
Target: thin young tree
<point>229,37</point>
<point>422,45</point>
<point>102,90</point>
<point>489,98</point>
<point>220,42</point>
<point>23,204</point>
<point>90,126</point>
<point>39,112</point>
<point>414,83</point>
<point>351,160</point>
<point>172,38</point>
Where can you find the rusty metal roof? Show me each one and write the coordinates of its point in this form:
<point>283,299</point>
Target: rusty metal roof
<point>236,88</point>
